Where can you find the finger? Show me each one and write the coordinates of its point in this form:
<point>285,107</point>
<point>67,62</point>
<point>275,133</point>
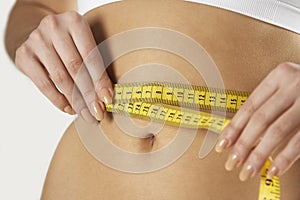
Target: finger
<point>79,103</point>
<point>84,40</point>
<point>284,160</point>
<point>257,124</point>
<point>261,94</point>
<point>274,135</point>
<point>36,72</point>
<point>55,68</point>
<point>73,62</point>
<point>57,72</point>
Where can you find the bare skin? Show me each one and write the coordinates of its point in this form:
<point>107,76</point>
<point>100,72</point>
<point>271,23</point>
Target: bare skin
<point>245,51</point>
<point>52,65</point>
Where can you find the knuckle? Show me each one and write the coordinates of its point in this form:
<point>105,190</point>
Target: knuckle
<point>22,53</point>
<point>36,35</point>
<point>59,77</point>
<point>23,50</point>
<point>89,95</point>
<point>74,17</point>
<point>74,66</point>
<point>242,145</point>
<point>44,85</point>
<point>284,68</point>
<point>51,21</point>
<point>284,160</point>
<point>233,127</point>
<point>260,118</point>
<point>258,157</point>
<point>277,132</point>
<point>248,107</point>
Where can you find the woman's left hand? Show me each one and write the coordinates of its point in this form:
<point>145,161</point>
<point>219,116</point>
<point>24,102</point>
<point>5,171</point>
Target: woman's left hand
<point>269,117</point>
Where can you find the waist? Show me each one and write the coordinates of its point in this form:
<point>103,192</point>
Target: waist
<point>243,50</point>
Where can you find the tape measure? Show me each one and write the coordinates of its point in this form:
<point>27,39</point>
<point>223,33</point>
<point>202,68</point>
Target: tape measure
<point>177,94</point>
<point>269,189</point>
<point>178,105</point>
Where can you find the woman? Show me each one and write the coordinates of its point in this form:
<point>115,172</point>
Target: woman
<point>250,54</point>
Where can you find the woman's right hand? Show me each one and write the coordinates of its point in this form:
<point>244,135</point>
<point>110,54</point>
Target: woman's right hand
<point>52,57</point>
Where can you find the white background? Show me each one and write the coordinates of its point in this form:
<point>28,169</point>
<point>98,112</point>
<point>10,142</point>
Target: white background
<point>30,128</point>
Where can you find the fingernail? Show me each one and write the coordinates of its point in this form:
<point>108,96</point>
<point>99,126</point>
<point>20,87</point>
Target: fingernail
<point>221,145</point>
<point>273,171</point>
<point>232,162</point>
<point>85,113</point>
<point>69,110</point>
<point>105,96</point>
<point>97,111</point>
<point>247,172</point>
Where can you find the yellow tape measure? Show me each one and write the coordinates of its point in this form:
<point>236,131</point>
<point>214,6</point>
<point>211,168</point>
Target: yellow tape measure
<point>269,189</point>
<point>170,103</point>
<point>177,94</point>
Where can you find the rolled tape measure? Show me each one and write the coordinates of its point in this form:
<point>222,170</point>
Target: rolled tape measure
<point>178,105</point>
